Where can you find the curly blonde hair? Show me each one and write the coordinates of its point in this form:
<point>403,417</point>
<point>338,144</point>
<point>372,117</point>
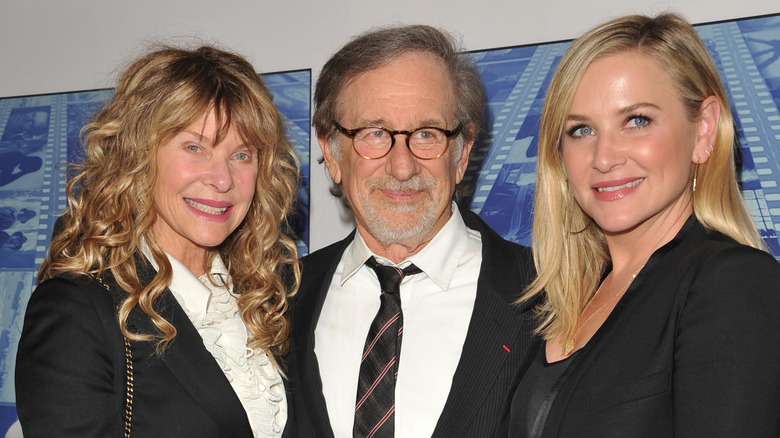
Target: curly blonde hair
<point>111,206</point>
<point>570,251</point>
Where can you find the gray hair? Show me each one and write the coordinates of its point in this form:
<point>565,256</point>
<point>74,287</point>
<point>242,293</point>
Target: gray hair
<point>379,47</point>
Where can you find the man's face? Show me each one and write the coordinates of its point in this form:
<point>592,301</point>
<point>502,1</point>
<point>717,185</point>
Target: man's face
<point>399,199</point>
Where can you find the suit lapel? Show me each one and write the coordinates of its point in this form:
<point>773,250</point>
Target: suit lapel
<point>318,270</point>
<point>199,373</point>
<point>310,383</point>
<point>193,366</point>
<point>492,340</point>
<point>497,332</point>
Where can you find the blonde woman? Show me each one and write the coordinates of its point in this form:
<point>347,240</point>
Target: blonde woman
<point>661,309</point>
<point>160,310</point>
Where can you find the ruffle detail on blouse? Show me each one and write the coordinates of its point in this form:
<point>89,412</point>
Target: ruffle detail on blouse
<point>250,372</point>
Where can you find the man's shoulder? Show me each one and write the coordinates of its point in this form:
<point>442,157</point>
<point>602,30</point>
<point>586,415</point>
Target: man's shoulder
<point>490,236</point>
<point>507,266</point>
<point>328,255</point>
<point>319,262</point>
<point>314,268</point>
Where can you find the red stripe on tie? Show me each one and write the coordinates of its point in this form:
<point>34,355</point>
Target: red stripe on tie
<point>376,382</point>
<point>376,338</point>
<point>507,349</point>
<point>381,422</point>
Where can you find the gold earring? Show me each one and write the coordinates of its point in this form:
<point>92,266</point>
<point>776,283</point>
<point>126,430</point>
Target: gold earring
<point>710,150</point>
<point>695,175</point>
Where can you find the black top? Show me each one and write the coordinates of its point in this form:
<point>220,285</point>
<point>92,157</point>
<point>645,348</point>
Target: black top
<point>691,350</point>
<point>531,406</point>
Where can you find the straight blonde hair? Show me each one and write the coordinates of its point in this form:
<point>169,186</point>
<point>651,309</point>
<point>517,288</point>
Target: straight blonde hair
<point>570,251</point>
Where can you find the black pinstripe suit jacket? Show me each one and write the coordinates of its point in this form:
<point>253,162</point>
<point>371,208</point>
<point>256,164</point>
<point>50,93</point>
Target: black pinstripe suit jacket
<point>481,386</point>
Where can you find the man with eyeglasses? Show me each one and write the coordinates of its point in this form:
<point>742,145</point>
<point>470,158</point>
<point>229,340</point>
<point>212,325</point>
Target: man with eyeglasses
<point>396,114</point>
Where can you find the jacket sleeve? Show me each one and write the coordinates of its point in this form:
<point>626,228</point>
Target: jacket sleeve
<point>727,352</point>
<point>66,363</point>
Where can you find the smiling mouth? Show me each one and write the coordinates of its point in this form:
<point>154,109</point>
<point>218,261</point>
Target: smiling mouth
<point>630,184</point>
<point>206,208</point>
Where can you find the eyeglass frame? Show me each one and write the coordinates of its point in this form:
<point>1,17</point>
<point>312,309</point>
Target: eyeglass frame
<point>351,133</point>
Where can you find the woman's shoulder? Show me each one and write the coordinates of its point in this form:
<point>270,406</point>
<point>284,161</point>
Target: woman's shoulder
<point>723,270</point>
<point>700,248</point>
<point>706,267</point>
<point>69,311</point>
<point>722,254</point>
<point>67,290</point>
<point>69,283</point>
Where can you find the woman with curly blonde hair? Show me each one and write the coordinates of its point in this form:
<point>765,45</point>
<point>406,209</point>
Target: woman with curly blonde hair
<point>660,307</point>
<point>161,308</point>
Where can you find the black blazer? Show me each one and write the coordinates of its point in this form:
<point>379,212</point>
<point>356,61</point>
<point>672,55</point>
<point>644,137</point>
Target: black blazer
<point>691,350</point>
<point>71,365</point>
<point>481,384</point>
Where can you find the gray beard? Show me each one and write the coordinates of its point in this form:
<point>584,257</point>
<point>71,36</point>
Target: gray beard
<point>421,216</point>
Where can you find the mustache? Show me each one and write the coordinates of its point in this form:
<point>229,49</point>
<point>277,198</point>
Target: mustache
<point>388,182</point>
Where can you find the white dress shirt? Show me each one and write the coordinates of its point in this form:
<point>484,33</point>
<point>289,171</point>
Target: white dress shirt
<point>437,307</point>
<point>213,311</point>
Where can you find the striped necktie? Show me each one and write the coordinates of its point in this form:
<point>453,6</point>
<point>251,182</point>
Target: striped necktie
<point>375,404</point>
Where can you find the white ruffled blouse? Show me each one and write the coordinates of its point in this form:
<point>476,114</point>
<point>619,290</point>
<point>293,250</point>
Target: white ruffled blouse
<point>213,311</point>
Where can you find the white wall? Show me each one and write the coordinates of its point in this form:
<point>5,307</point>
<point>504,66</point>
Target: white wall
<point>56,46</point>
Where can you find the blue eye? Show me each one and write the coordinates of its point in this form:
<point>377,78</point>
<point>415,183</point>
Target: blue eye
<point>580,131</point>
<point>243,156</point>
<point>374,132</point>
<point>372,136</point>
<point>638,121</point>
<point>193,148</point>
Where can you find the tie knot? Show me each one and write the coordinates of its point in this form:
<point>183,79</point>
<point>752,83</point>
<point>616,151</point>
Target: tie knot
<point>390,276</point>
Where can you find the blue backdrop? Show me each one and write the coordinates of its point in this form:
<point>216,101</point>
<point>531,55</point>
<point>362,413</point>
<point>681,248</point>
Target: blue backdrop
<point>501,172</point>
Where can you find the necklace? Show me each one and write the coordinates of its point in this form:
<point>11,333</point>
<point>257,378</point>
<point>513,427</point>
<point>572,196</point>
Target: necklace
<point>568,347</point>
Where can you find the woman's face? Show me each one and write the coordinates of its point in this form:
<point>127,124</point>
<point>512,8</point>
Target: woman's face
<point>203,190</point>
<point>628,146</point>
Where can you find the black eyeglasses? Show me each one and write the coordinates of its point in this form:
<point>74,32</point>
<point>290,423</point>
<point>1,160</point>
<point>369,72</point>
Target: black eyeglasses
<point>374,142</point>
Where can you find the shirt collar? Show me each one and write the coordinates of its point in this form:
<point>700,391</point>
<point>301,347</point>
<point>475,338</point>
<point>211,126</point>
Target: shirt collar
<point>438,259</point>
<point>189,290</point>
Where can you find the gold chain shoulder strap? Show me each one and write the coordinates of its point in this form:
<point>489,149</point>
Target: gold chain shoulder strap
<point>128,375</point>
